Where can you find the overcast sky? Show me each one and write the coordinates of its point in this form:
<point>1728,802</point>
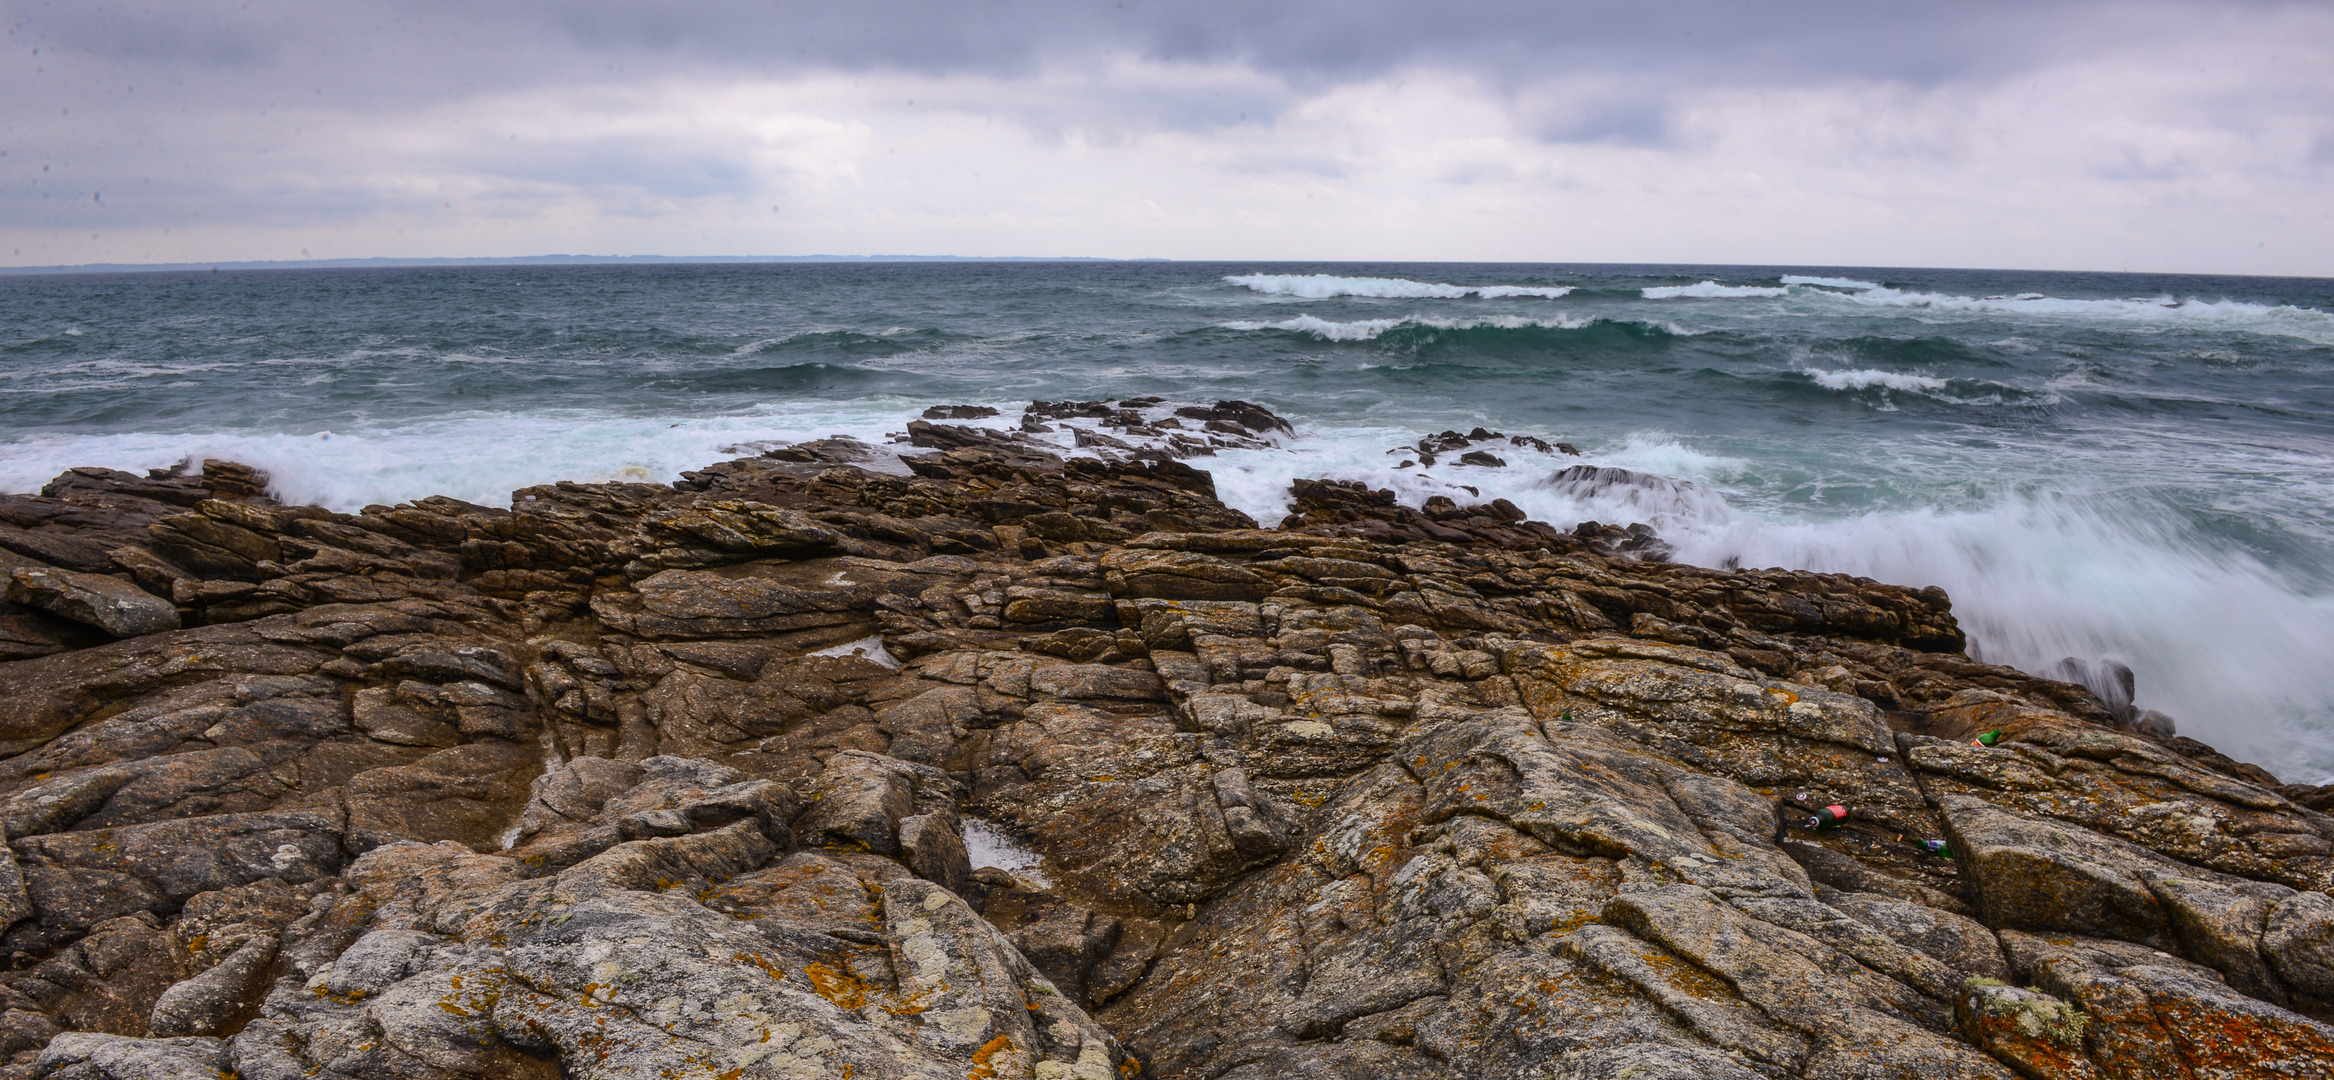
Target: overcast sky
<point>2111,136</point>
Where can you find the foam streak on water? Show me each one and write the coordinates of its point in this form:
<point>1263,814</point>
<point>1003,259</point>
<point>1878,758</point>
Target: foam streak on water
<point>2138,468</point>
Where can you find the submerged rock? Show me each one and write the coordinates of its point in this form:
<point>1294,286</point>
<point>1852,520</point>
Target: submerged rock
<point>635,780</point>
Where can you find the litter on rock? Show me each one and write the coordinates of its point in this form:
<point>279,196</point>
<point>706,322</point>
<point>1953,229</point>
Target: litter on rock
<point>1988,739</point>
<point>1826,817</point>
<point>1937,848</point>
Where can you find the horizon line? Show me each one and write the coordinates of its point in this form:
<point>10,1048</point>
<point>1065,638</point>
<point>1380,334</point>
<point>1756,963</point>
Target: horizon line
<point>395,261</point>
<point>387,262</point>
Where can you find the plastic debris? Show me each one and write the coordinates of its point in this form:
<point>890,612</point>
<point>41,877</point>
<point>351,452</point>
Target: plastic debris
<point>1988,739</point>
<point>1937,848</point>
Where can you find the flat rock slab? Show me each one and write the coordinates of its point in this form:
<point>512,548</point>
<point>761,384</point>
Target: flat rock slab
<point>113,606</point>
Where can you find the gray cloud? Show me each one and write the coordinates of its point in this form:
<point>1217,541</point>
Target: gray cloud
<point>1311,40</point>
<point>372,121</point>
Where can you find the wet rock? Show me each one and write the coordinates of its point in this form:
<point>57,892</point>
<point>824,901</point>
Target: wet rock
<point>1240,415</point>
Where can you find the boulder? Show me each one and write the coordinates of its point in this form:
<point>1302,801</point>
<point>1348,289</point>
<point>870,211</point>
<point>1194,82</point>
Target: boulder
<point>116,607</point>
<point>78,1055</point>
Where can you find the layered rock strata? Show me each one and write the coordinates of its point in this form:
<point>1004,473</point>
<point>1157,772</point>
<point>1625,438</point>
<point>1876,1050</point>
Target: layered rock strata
<point>633,780</point>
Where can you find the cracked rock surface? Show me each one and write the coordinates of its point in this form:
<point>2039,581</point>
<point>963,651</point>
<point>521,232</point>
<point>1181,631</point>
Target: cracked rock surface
<point>635,780</point>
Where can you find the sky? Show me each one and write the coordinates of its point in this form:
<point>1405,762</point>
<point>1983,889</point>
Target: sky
<point>2167,137</point>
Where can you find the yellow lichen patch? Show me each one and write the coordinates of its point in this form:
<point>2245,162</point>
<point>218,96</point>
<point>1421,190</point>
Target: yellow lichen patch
<point>477,1000</point>
<point>1688,976</point>
<point>758,960</point>
<point>984,1059</point>
<point>913,1003</point>
<point>845,988</point>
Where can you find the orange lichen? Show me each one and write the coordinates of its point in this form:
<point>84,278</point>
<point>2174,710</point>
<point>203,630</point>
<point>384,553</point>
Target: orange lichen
<point>984,1066</point>
<point>845,988</point>
<point>768,967</point>
<point>1688,976</point>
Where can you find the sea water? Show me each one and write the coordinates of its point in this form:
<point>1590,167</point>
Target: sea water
<point>2109,467</point>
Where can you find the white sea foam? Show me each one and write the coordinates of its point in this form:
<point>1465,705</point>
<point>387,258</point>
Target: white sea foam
<point>2219,642</point>
<point>2232,651</point>
<point>1327,286</point>
<point>1358,330</point>
<point>1370,329</point>
<point>2309,324</point>
<point>1828,282</point>
<point>1868,377</point>
<point>987,845</point>
<point>1709,290</point>
<point>869,647</point>
<point>2222,643</point>
<point>479,458</point>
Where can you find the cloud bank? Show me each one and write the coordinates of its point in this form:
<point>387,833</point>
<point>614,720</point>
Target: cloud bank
<point>2181,137</point>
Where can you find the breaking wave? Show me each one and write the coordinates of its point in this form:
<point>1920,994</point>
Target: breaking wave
<point>1709,290</point>
<point>2034,578</point>
<point>1326,286</point>
<point>1370,329</point>
<point>2287,320</point>
<point>1866,379</point>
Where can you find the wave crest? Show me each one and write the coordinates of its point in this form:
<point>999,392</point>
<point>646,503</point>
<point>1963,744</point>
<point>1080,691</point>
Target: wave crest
<point>1328,286</point>
<point>1709,290</point>
<point>1869,378</point>
<point>2286,320</point>
<point>1370,329</point>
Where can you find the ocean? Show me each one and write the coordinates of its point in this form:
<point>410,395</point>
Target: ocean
<point>2124,467</point>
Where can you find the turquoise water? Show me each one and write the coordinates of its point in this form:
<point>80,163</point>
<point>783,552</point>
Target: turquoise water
<point>2125,467</point>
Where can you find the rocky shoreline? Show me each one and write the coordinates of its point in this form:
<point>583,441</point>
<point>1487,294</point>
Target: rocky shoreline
<point>636,780</point>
